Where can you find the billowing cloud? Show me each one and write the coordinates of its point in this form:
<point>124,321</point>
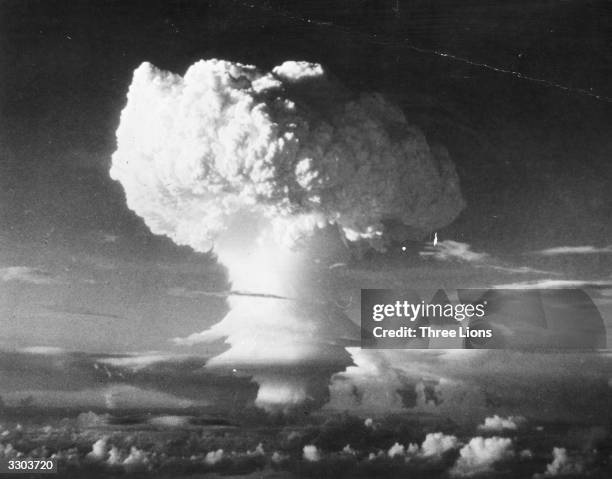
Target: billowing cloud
<point>270,169</point>
<point>279,457</point>
<point>99,449</point>
<point>311,453</point>
<point>394,380</point>
<point>225,141</point>
<point>434,446</point>
<point>437,443</point>
<point>561,465</point>
<point>349,450</point>
<point>397,450</point>
<point>497,423</point>
<point>480,454</point>
<point>213,457</point>
<point>136,459</point>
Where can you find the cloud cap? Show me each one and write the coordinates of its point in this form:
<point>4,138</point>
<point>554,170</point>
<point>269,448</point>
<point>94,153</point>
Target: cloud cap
<point>289,145</point>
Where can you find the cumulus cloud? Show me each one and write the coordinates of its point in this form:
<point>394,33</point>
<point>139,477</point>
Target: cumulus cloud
<point>397,450</point>
<point>25,274</point>
<point>258,166</point>
<point>279,457</point>
<point>136,459</point>
<point>437,443</point>
<point>115,457</point>
<point>433,446</point>
<point>99,450</point>
<point>213,457</point>
<point>497,423</point>
<point>480,454</point>
<point>258,451</point>
<point>561,465</point>
<point>311,453</point>
<point>349,450</point>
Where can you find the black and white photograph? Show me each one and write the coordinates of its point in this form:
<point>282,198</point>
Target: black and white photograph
<point>279,239</point>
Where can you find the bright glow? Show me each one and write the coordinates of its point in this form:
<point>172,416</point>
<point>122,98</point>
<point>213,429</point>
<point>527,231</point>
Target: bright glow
<point>256,164</point>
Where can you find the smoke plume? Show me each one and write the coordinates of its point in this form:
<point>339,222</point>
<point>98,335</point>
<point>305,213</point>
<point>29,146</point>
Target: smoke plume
<point>273,170</point>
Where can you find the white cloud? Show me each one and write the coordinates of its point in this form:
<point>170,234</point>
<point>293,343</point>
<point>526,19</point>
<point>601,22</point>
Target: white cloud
<point>137,458</point>
<point>520,269</point>
<point>561,465</point>
<point>213,457</point>
<point>349,450</point>
<point>453,250</point>
<point>293,71</point>
<point>396,450</point>
<point>480,454</point>
<point>115,457</point>
<point>566,250</point>
<point>258,451</point>
<point>372,456</point>
<point>170,421</point>
<point>434,446</point>
<point>99,450</point>
<point>43,350</point>
<point>437,443</point>
<point>25,274</point>
<point>497,423</point>
<point>278,457</point>
<point>449,250</point>
<point>555,283</point>
<point>311,453</point>
<point>7,450</point>
<point>369,423</point>
<point>137,362</point>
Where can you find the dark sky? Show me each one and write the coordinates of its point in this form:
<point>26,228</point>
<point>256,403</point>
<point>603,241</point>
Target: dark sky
<point>534,159</point>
